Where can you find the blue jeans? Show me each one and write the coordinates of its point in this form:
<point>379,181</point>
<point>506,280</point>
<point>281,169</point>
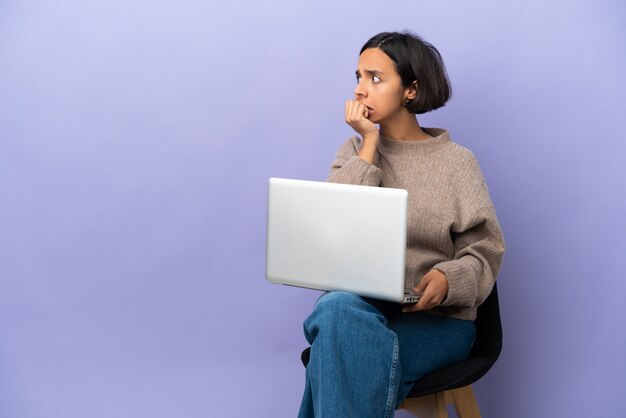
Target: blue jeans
<point>366,354</point>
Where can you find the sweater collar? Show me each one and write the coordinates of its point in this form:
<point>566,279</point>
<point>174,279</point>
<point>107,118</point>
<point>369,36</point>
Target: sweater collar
<point>440,139</point>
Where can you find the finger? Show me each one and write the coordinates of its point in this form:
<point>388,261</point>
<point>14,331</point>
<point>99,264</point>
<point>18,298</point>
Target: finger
<point>353,109</point>
<point>349,110</point>
<point>432,299</point>
<point>421,286</point>
<point>423,304</point>
<point>429,297</point>
<point>417,307</point>
<point>362,109</point>
<point>356,114</point>
<point>410,308</point>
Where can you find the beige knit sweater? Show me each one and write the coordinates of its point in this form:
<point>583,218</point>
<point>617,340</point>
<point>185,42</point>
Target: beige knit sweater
<point>452,224</point>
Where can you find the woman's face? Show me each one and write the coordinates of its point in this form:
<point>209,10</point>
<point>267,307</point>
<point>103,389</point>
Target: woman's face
<point>379,86</point>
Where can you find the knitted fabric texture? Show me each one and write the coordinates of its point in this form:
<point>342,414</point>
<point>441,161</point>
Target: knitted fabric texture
<point>452,224</point>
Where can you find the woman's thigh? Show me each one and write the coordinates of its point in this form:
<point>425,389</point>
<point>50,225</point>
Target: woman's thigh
<point>429,342</point>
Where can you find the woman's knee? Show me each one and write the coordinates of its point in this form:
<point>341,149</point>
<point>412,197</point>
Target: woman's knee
<point>338,298</point>
<point>334,306</point>
<point>338,309</point>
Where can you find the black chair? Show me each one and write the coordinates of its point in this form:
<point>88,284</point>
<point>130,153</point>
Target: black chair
<point>452,384</point>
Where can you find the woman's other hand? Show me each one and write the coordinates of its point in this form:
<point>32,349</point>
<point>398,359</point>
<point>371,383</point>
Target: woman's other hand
<point>356,117</point>
<point>434,289</point>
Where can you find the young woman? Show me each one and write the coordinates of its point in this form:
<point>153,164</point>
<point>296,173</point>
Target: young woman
<point>366,354</point>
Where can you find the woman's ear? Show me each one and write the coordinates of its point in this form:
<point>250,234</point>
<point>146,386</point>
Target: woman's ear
<point>411,91</point>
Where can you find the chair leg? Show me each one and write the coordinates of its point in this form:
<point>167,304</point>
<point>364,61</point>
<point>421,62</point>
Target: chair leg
<point>464,402</point>
<point>434,405</point>
<point>429,406</point>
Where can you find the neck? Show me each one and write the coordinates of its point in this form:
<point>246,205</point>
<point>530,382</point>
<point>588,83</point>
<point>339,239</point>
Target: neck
<point>403,127</point>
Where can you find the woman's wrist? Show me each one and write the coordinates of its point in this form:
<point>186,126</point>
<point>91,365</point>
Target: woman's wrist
<point>368,149</point>
<point>371,137</point>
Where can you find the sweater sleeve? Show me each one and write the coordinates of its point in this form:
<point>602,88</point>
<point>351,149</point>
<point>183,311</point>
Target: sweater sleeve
<point>478,246</point>
<point>349,168</point>
<point>478,255</point>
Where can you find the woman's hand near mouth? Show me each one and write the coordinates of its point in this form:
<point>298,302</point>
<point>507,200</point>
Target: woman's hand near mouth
<point>357,117</point>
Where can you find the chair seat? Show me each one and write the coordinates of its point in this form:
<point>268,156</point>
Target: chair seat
<point>452,377</point>
<point>447,378</point>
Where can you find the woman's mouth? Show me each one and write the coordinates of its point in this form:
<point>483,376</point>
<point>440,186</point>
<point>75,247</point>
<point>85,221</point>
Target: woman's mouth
<point>368,107</point>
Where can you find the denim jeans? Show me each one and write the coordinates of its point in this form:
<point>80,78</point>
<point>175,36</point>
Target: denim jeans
<point>366,354</point>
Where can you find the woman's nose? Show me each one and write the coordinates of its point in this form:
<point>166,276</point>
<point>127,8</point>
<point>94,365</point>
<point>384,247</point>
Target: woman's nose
<point>360,91</point>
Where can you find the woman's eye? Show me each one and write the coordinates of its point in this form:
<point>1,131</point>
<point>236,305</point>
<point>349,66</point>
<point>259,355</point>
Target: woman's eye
<point>375,79</point>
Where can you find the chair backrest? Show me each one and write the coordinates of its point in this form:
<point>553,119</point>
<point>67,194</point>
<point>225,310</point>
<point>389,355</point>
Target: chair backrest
<point>488,341</point>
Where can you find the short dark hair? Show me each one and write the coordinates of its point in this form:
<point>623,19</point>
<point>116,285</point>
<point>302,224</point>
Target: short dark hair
<point>416,60</point>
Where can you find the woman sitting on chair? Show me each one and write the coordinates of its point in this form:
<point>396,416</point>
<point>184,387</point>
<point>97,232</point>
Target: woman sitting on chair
<point>366,354</point>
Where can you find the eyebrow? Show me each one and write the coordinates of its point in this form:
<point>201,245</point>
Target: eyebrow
<point>369,71</point>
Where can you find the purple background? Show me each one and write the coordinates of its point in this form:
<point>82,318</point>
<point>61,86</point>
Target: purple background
<point>136,140</point>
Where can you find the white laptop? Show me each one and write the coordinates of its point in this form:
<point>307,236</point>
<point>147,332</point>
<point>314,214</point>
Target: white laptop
<point>330,236</point>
